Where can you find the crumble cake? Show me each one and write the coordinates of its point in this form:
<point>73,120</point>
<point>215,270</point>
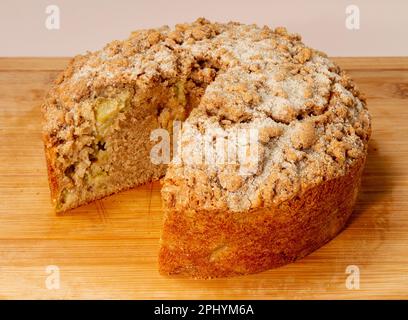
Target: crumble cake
<point>221,218</point>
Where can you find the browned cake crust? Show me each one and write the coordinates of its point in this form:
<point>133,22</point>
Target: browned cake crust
<point>208,244</point>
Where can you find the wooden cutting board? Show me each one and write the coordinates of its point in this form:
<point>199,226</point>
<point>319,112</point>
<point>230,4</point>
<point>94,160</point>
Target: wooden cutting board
<point>108,249</point>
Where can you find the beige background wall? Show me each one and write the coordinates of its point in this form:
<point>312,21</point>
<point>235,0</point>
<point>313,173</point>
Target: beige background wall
<point>88,25</point>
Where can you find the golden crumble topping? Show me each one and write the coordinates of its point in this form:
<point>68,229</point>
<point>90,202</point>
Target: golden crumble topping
<point>311,118</point>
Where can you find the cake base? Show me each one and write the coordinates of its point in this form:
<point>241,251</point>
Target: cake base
<point>220,244</point>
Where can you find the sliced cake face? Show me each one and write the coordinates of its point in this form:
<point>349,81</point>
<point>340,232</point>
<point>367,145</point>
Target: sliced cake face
<point>92,149</point>
<point>102,143</point>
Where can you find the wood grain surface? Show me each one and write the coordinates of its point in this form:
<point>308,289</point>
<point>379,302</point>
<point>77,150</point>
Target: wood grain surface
<point>108,249</point>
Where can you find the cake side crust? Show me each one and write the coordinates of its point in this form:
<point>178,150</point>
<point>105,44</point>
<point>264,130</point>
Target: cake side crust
<point>219,244</point>
<point>52,175</point>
